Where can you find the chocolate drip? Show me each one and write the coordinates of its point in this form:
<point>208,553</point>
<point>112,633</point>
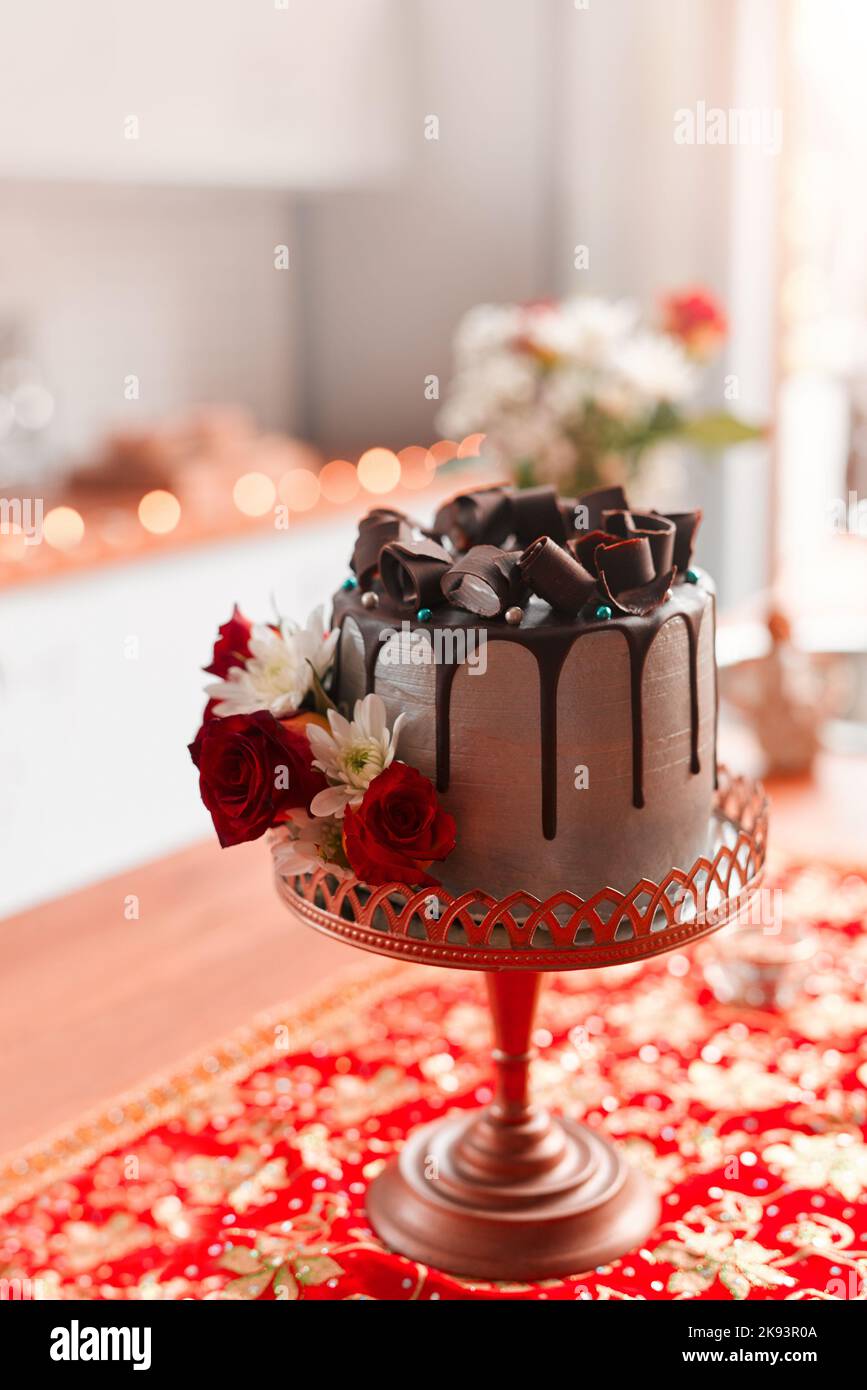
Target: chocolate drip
<point>693,624</point>
<point>638,644</point>
<point>372,646</point>
<point>550,645</point>
<point>445,674</point>
<point>372,640</point>
<point>550,663</point>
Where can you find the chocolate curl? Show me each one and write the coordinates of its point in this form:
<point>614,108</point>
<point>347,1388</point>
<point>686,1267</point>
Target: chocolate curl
<point>567,507</point>
<point>476,518</point>
<point>584,547</point>
<point>411,572</point>
<point>536,512</point>
<point>486,581</point>
<point>374,531</point>
<point>599,501</point>
<point>686,526</point>
<point>627,578</point>
<point>556,576</point>
<point>658,530</point>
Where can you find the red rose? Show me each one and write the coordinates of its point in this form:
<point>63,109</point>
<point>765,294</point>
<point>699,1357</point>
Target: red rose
<point>696,319</point>
<point>253,769</point>
<point>398,829</point>
<point>232,647</point>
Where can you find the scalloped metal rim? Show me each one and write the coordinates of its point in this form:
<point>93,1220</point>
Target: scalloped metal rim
<point>735,871</point>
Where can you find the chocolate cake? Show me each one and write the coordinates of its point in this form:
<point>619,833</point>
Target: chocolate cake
<point>554,661</point>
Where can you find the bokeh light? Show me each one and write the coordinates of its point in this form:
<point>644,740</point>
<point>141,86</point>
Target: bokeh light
<point>471,447</point>
<point>339,481</point>
<point>442,452</point>
<point>416,468</point>
<point>63,528</point>
<point>299,489</point>
<point>159,512</point>
<point>254,494</point>
<point>379,470</point>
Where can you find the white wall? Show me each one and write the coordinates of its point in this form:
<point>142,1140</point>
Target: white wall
<point>386,273</point>
<point>175,286</point>
<point>656,214</point>
<point>282,93</point>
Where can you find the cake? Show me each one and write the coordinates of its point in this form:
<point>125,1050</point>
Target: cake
<point>554,663</point>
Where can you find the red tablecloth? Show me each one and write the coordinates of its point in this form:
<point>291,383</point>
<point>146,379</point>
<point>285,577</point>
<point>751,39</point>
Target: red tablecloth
<point>244,1175</point>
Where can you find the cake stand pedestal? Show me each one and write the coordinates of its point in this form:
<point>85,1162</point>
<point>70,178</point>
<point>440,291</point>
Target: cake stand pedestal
<point>510,1192</point>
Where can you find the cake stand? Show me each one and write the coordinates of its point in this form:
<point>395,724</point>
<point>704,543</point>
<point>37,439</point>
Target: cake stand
<point>510,1192</point>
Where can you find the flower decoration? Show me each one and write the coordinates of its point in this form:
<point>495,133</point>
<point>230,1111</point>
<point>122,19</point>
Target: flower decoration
<point>232,647</point>
<point>253,769</point>
<point>351,753</point>
<point>278,670</point>
<point>275,754</point>
<point>398,829</point>
<point>304,842</point>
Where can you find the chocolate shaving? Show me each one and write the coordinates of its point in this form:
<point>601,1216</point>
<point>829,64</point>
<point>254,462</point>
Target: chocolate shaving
<point>374,531</point>
<point>627,578</point>
<point>686,526</point>
<point>476,518</point>
<point>567,507</point>
<point>584,547</point>
<point>599,501</point>
<point>556,576</point>
<point>536,512</point>
<point>658,530</point>
<point>486,581</point>
<point>411,572</point>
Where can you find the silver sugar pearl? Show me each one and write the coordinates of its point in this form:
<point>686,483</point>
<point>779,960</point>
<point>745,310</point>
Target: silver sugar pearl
<point>369,599</point>
<point>668,596</point>
<point>514,616</point>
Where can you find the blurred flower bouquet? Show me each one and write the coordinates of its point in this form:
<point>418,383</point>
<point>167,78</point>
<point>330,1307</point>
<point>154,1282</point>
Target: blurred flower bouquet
<point>573,392</point>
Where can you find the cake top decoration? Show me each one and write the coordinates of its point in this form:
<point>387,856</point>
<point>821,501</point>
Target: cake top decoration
<point>489,547</point>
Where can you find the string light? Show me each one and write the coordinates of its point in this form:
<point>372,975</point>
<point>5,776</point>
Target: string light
<point>416,468</point>
<point>299,489</point>
<point>471,447</point>
<point>254,494</point>
<point>63,528</point>
<point>379,470</point>
<point>339,481</point>
<point>442,452</point>
<point>159,512</point>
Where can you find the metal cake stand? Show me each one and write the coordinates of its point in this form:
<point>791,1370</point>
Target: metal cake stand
<point>511,1192</point>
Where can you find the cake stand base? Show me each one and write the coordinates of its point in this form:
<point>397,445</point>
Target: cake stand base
<point>480,1197</point>
<point>510,1193</point>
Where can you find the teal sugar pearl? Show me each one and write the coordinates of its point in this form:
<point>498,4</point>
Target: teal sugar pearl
<point>603,612</point>
<point>424,615</point>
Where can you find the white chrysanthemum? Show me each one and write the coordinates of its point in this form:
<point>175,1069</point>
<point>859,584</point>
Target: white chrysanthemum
<point>582,330</point>
<point>351,754</point>
<point>487,391</point>
<point>278,673</point>
<point>485,329</point>
<point>307,842</point>
<point>566,391</point>
<point>655,368</point>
